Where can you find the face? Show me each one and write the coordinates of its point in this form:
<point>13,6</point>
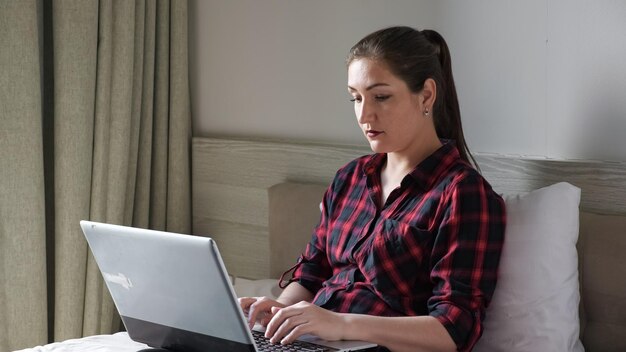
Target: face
<point>389,114</point>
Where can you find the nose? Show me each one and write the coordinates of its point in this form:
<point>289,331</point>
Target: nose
<point>364,112</point>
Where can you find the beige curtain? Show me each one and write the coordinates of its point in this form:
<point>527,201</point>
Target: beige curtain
<point>95,124</point>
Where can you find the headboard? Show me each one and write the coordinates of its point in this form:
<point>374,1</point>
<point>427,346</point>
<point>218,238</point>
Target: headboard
<point>230,178</point>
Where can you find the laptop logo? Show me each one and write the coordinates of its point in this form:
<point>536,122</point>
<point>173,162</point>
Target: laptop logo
<point>119,279</point>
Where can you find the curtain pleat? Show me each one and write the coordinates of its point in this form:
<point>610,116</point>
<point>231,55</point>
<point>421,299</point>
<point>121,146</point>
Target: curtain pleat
<point>158,192</point>
<point>179,164</point>
<point>23,301</point>
<point>75,39</point>
<point>119,110</point>
<point>141,209</point>
<point>135,112</point>
<point>94,287</point>
<point>119,102</point>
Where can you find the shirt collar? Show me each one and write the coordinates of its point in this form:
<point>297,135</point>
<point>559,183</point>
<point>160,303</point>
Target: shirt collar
<point>428,171</point>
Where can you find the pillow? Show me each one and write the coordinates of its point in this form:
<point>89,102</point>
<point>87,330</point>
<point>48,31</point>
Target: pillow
<point>535,304</point>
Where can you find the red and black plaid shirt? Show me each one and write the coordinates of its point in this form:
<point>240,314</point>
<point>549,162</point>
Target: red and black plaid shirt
<point>433,249</point>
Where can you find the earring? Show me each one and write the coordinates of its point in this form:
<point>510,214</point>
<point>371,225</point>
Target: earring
<point>426,112</point>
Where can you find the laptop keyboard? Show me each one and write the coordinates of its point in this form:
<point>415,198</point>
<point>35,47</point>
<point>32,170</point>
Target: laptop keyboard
<point>263,344</point>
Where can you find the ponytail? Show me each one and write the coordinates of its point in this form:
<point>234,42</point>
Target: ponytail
<point>415,56</point>
<point>448,120</point>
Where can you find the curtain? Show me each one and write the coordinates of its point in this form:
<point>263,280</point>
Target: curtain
<point>95,124</point>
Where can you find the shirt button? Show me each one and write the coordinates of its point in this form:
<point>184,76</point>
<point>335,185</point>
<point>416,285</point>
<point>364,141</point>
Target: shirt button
<point>348,286</point>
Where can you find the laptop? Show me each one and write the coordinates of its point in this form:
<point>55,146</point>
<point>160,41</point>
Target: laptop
<point>172,291</point>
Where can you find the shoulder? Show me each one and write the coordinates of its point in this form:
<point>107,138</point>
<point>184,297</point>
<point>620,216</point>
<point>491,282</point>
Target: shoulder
<point>353,168</point>
<point>349,178</point>
<point>463,179</point>
<point>470,200</point>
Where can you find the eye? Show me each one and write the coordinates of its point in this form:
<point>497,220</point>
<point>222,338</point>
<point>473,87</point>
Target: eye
<point>382,97</point>
<point>356,99</point>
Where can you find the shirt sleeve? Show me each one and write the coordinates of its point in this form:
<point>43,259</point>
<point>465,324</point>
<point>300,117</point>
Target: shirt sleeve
<point>313,267</point>
<point>465,259</point>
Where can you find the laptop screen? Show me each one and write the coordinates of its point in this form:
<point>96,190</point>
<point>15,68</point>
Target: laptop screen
<point>169,289</point>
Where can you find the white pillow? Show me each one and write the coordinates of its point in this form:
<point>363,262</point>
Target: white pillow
<point>535,304</point>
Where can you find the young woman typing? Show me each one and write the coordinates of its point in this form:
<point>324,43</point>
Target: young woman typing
<point>407,249</point>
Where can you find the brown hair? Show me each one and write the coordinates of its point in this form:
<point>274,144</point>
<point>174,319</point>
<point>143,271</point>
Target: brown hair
<point>414,56</point>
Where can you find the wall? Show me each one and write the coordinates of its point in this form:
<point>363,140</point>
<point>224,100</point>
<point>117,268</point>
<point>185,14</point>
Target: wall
<point>542,78</point>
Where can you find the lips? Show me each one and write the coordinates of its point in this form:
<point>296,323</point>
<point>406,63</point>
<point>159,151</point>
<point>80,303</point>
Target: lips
<point>373,133</point>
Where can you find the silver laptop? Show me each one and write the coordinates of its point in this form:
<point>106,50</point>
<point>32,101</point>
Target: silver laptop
<point>172,291</point>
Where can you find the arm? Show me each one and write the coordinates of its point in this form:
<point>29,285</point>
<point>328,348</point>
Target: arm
<point>293,294</point>
<point>420,333</point>
<point>465,258</point>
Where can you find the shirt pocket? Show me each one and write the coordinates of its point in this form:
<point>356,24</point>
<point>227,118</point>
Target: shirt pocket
<point>396,263</point>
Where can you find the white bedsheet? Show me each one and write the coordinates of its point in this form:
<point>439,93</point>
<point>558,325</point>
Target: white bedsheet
<point>119,342</point>
<point>252,288</point>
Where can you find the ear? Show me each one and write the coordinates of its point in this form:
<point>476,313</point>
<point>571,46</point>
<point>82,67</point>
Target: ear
<point>428,94</point>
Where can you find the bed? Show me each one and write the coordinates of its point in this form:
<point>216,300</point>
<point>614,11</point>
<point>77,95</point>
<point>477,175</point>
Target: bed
<point>259,200</point>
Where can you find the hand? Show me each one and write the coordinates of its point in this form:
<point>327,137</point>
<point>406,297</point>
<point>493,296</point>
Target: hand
<point>258,309</point>
<point>287,324</point>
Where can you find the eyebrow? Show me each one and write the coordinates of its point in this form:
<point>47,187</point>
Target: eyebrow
<point>372,86</point>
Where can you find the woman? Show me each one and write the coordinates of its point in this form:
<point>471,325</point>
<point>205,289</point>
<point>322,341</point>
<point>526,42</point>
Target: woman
<point>407,249</point>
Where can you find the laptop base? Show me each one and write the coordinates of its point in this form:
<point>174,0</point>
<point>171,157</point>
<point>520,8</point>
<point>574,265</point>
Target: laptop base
<point>169,339</point>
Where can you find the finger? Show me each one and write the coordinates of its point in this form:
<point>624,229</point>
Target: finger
<point>253,312</point>
<point>268,316</point>
<point>245,302</point>
<point>258,310</point>
<point>278,319</point>
<point>266,319</point>
<point>287,327</point>
<point>295,333</point>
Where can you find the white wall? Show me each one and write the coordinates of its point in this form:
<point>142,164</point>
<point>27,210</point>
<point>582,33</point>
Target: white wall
<point>541,77</point>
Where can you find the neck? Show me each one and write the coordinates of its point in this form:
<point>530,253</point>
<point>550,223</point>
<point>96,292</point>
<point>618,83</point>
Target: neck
<point>402,162</point>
